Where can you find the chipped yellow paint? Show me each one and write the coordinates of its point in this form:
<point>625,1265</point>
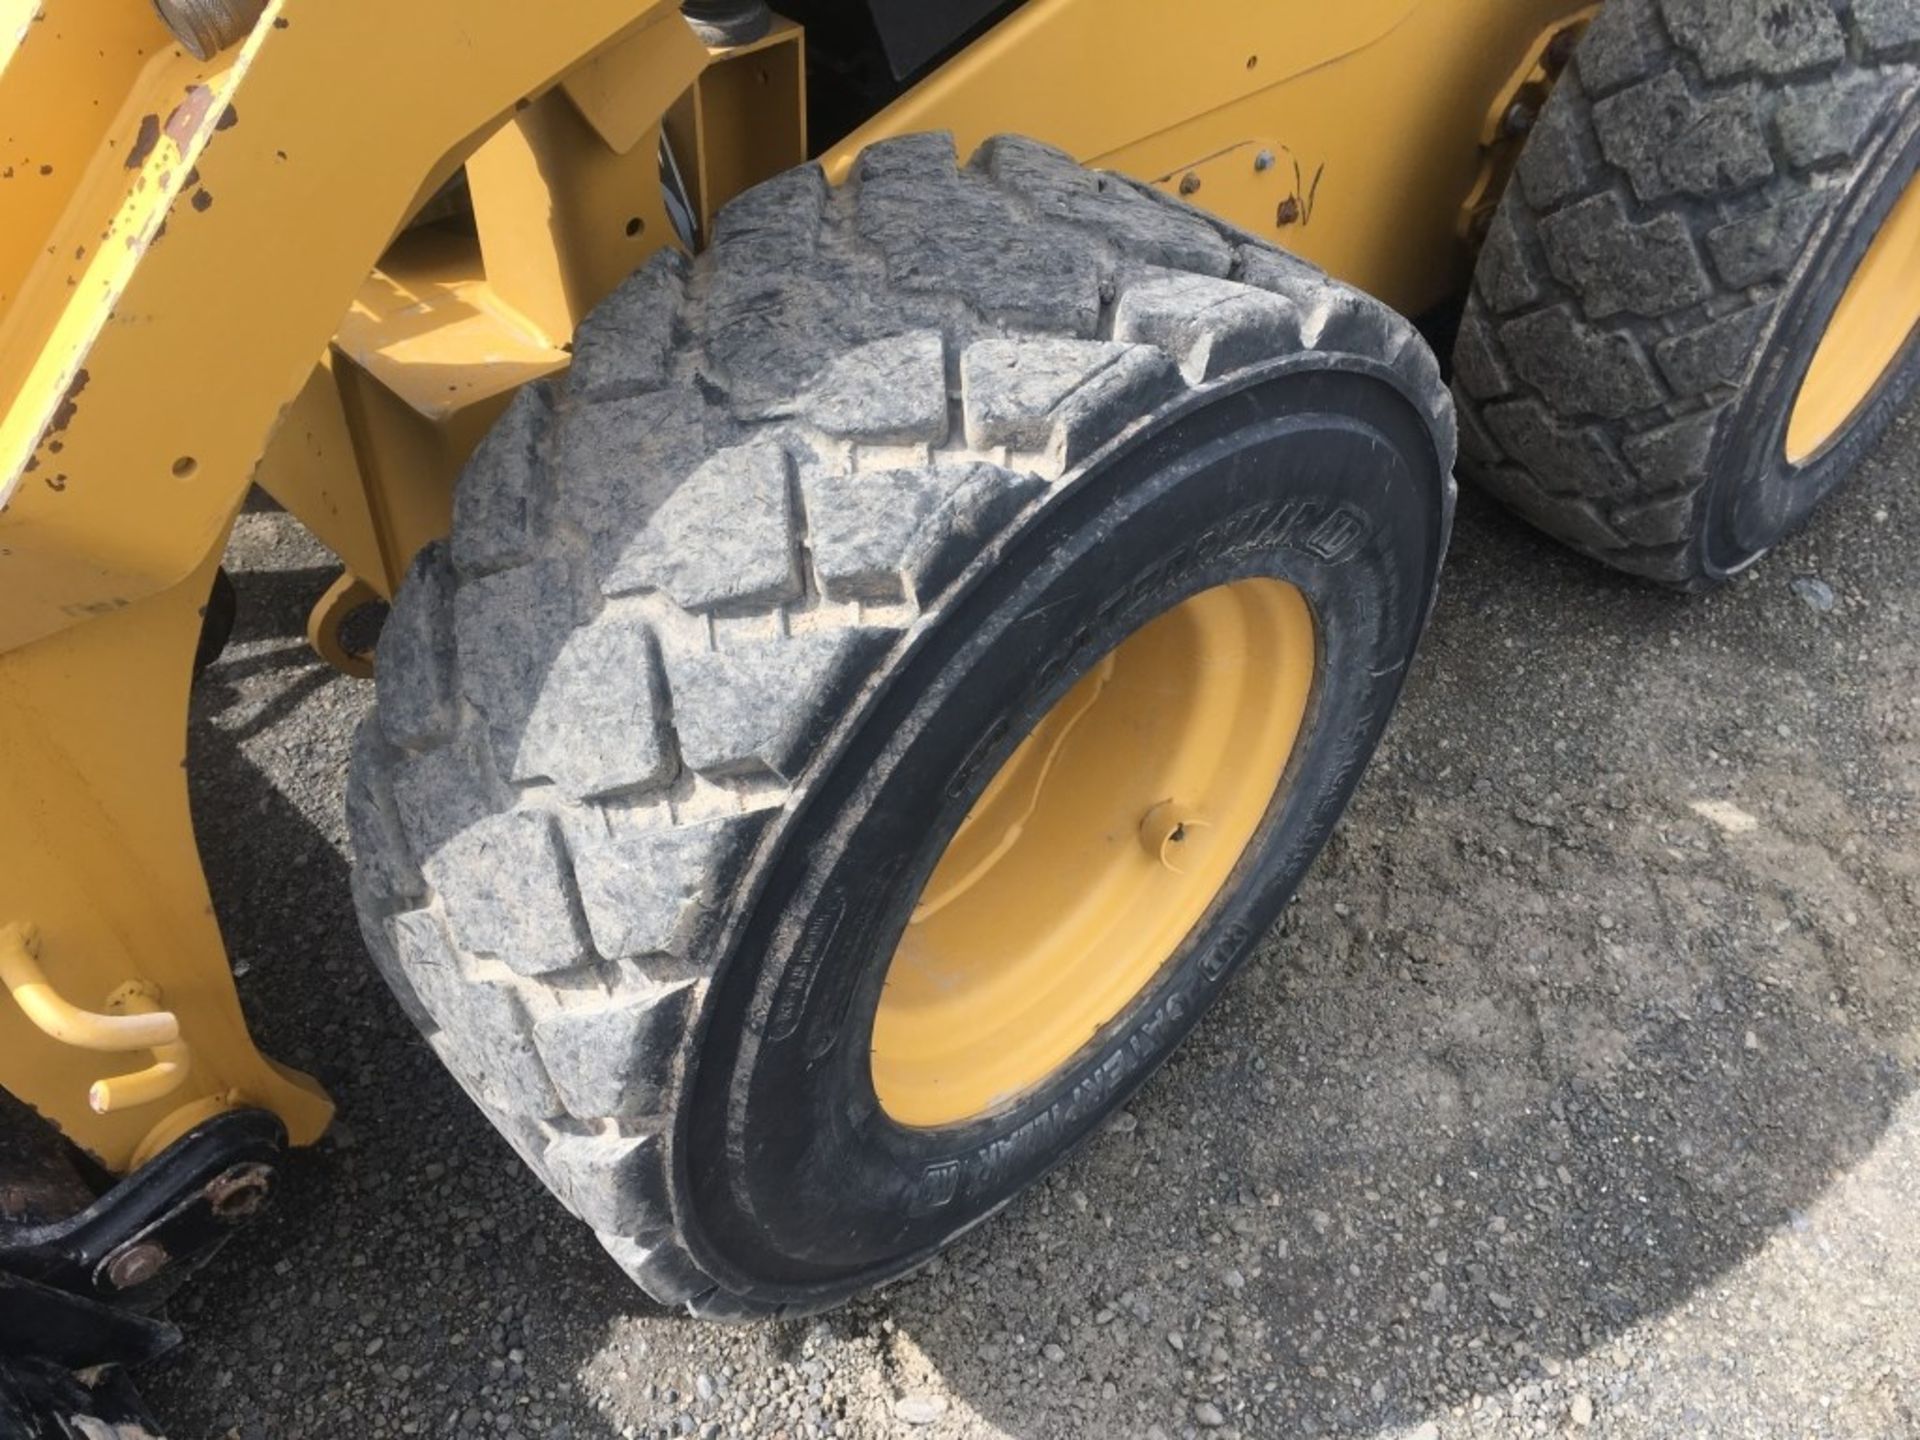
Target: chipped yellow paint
<point>140,395</point>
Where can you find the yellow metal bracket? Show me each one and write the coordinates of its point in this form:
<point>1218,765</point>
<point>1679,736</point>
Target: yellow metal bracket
<point>326,625</point>
<point>136,1022</point>
<point>1510,119</point>
<point>98,851</point>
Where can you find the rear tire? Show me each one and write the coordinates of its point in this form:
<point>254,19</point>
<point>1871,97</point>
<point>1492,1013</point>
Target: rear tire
<point>736,621</point>
<point>1686,216</point>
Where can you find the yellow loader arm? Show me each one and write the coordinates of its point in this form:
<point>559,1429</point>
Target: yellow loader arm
<point>181,239</point>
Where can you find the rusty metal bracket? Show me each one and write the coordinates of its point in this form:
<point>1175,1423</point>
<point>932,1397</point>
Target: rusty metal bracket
<point>1511,118</point>
<point>145,1234</point>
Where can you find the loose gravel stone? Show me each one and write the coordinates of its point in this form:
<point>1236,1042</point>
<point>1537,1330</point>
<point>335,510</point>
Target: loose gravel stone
<point>1814,592</point>
<point>919,1409</point>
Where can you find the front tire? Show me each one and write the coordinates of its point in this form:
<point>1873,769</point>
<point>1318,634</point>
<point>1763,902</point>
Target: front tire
<point>738,622</point>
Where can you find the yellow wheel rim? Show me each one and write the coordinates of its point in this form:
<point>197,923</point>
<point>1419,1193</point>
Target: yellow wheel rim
<point>1092,854</point>
<point>1876,317</point>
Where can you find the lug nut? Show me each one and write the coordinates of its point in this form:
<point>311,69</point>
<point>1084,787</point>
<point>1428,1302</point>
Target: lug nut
<point>1518,120</point>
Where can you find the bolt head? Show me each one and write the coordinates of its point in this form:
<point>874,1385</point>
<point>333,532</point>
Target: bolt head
<point>1519,119</point>
<point>135,1264</point>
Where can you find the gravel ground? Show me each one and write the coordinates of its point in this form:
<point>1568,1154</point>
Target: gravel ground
<point>1576,1094</point>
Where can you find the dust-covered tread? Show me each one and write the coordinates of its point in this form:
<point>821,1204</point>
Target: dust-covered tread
<point>672,572</point>
<point>1676,176</point>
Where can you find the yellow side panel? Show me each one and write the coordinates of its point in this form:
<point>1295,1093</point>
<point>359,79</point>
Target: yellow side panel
<point>1346,133</point>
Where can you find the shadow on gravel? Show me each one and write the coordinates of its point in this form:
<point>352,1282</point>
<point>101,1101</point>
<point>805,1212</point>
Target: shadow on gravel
<point>1606,977</point>
<point>1603,980</point>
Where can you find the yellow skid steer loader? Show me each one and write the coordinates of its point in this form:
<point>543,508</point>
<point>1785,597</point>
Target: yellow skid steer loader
<point>903,524</point>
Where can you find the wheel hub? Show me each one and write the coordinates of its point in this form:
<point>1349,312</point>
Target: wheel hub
<point>1093,852</point>
<point>1869,331</point>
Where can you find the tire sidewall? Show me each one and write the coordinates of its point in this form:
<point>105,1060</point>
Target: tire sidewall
<point>1760,495</point>
<point>792,1184</point>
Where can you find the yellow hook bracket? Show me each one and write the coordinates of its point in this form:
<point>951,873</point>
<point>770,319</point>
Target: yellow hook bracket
<point>326,625</point>
<point>136,1023</point>
<point>170,1058</point>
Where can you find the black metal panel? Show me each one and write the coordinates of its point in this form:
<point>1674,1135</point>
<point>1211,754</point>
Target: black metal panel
<point>71,1331</point>
<point>42,1400</point>
<point>914,32</point>
<point>39,1181</point>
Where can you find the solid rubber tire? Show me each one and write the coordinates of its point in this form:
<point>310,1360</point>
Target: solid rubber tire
<point>671,728</point>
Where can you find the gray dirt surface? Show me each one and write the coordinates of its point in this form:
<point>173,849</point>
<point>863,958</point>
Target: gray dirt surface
<point>1574,1096</point>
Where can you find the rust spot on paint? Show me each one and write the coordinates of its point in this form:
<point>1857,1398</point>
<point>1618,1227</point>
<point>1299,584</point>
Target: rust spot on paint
<point>188,114</point>
<point>193,179</point>
<point>280,22</point>
<point>202,200</point>
<point>229,118</point>
<point>1297,208</point>
<point>69,402</point>
<point>57,482</point>
<point>144,142</point>
<point>46,169</point>
<point>96,607</point>
<point>79,252</point>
